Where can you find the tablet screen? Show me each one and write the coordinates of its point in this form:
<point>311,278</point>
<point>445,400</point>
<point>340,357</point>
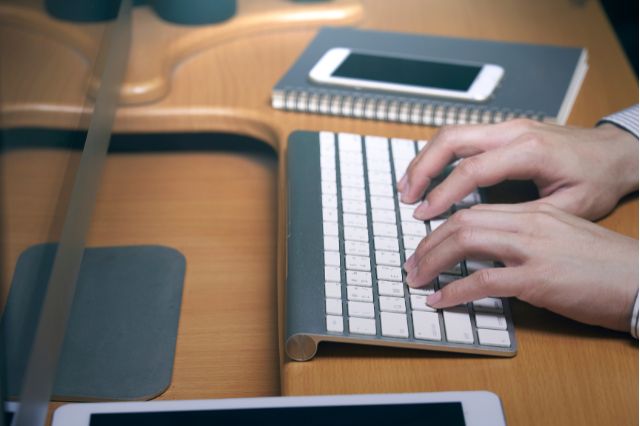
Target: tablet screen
<point>442,413</point>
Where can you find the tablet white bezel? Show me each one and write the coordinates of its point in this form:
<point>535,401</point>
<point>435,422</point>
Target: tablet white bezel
<point>480,408</point>
<point>480,90</point>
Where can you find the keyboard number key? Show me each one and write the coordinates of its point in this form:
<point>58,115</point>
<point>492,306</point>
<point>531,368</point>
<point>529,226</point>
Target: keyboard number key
<point>426,326</point>
<point>334,324</point>
<point>457,325</point>
<point>362,326</point>
<point>494,337</point>
<point>394,324</point>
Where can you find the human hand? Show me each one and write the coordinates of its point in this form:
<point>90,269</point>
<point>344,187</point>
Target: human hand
<point>582,171</point>
<point>552,260</point>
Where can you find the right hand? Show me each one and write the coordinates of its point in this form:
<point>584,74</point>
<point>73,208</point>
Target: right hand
<point>581,171</point>
<point>552,260</point>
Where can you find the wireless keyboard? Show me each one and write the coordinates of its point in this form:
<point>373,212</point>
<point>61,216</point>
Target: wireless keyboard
<point>348,237</point>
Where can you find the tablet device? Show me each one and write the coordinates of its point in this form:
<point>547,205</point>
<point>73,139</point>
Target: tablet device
<point>478,408</point>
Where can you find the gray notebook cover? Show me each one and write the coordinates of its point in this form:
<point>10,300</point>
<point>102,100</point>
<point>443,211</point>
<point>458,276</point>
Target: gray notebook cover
<point>121,336</point>
<point>540,81</point>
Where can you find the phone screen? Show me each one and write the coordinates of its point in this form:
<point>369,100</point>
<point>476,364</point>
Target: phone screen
<point>434,414</point>
<point>413,72</point>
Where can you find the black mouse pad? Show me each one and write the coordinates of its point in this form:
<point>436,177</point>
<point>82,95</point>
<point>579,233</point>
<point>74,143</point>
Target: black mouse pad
<point>121,337</point>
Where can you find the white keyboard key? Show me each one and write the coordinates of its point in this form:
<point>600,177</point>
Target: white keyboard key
<point>349,193</point>
<point>457,325</point>
<point>380,178</point>
<point>492,321</point>
<point>406,213</point>
<point>358,293</point>
<point>356,248</point>
<point>408,254</point>
<point>355,220</point>
<point>426,326</point>
<point>358,263</point>
<point>359,278</point>
<point>331,243</point>
<point>388,258</point>
<point>377,143</point>
<point>349,142</point>
<point>353,181</point>
<point>361,309</point>
<point>378,163</point>
<point>329,188</point>
<point>326,140</point>
<point>327,169</point>
<point>330,215</point>
<point>488,304</point>
<point>390,288</point>
<point>335,324</point>
<point>421,145</point>
<point>351,169</point>
<point>362,326</point>
<point>394,325</point>
<point>401,166</point>
<point>436,223</point>
<point>419,303</point>
<point>414,228</point>
<point>330,228</point>
<point>384,216</point>
<point>402,148</point>
<point>411,242</point>
<point>348,157</point>
<point>392,304</point>
<point>385,243</point>
<point>333,306</point>
<point>351,206</point>
<point>494,338</point>
<point>332,258</point>
<point>332,273</point>
<point>332,291</point>
<point>386,203</point>
<point>389,273</point>
<point>330,201</point>
<point>356,234</point>
<point>380,190</point>
<point>385,230</point>
<point>476,265</point>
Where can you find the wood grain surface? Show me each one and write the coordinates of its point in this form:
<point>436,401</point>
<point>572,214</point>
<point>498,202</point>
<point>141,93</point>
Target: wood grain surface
<point>224,208</point>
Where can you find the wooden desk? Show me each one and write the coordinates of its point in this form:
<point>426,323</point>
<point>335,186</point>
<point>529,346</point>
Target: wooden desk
<point>565,373</point>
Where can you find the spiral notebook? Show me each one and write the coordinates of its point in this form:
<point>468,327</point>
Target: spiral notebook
<point>540,81</point>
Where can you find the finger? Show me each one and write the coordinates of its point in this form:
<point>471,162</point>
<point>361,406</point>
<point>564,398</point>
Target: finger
<point>467,243</point>
<point>493,282</point>
<point>497,220</point>
<point>452,142</point>
<point>486,169</point>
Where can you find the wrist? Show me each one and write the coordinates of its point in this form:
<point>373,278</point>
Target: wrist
<point>624,147</point>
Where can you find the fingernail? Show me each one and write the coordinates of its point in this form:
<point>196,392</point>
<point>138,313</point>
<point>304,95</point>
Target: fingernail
<point>434,299</point>
<point>420,211</point>
<point>411,276</point>
<point>402,184</point>
<point>410,263</point>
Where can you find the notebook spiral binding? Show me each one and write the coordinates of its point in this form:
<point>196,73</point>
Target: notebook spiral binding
<point>389,109</point>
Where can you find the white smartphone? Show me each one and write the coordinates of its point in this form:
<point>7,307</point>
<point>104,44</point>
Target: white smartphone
<point>417,76</point>
<point>478,408</point>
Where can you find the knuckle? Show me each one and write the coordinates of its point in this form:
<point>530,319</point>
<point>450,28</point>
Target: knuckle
<point>461,218</point>
<point>533,141</point>
<point>469,168</point>
<point>445,133</point>
<point>465,236</point>
<point>486,278</point>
